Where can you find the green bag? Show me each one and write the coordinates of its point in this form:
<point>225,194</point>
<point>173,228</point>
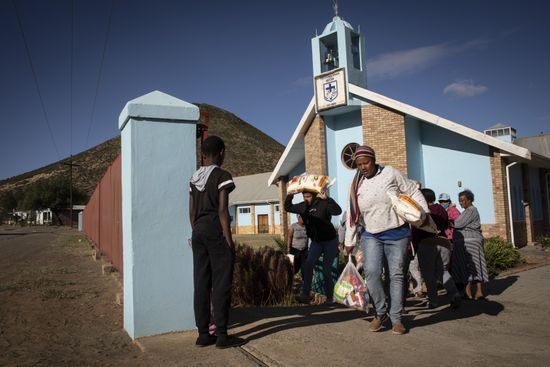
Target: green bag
<point>318,283</point>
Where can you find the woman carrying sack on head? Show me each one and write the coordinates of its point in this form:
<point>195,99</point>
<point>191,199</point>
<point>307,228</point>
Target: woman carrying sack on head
<point>316,211</point>
<point>385,235</point>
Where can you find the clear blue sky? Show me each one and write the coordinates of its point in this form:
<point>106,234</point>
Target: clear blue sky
<point>476,62</point>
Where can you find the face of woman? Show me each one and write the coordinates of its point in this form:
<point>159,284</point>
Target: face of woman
<point>464,202</point>
<point>308,197</point>
<point>366,165</point>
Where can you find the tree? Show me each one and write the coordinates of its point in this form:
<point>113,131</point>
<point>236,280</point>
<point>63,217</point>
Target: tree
<point>8,203</point>
<point>51,193</point>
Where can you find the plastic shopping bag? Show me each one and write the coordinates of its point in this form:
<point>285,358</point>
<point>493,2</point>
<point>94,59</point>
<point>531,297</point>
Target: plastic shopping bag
<point>350,289</point>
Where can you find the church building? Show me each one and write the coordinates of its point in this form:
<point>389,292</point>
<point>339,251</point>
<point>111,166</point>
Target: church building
<point>510,182</point>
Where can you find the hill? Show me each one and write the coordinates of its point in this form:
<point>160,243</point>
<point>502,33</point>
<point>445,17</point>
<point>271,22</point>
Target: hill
<point>249,151</point>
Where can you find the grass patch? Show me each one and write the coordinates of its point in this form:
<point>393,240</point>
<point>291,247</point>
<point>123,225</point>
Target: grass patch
<point>52,270</point>
<point>75,245</point>
<point>33,284</point>
<point>60,294</point>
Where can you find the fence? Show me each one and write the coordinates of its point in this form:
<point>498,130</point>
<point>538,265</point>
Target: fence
<point>102,217</point>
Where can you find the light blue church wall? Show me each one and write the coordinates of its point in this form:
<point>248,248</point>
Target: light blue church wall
<point>449,158</point>
<point>516,183</point>
<point>413,138</point>
<point>341,130</point>
<point>536,197</point>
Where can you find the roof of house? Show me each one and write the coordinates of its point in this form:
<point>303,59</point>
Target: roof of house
<point>539,144</point>
<point>294,152</point>
<point>252,189</point>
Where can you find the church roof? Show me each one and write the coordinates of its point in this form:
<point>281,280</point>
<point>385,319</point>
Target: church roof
<point>294,151</point>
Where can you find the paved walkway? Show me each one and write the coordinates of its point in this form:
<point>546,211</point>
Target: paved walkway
<point>512,328</point>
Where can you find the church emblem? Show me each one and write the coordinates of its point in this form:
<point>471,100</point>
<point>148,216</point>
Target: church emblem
<point>330,90</point>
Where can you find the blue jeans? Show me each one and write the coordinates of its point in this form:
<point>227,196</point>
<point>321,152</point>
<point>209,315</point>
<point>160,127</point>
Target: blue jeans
<point>329,249</point>
<point>394,251</point>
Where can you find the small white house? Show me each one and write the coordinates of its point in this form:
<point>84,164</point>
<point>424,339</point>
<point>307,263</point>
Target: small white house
<point>253,206</point>
<point>43,216</point>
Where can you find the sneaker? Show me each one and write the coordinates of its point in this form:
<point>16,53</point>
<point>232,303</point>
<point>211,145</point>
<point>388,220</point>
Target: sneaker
<point>226,341</point>
<point>329,301</point>
<point>456,301</point>
<point>398,329</point>
<point>205,340</point>
<point>377,323</point>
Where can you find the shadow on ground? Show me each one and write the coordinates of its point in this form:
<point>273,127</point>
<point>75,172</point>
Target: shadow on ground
<point>284,318</point>
<point>499,285</point>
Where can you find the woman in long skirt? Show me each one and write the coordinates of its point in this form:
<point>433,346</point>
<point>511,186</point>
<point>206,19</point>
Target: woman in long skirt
<point>469,265</point>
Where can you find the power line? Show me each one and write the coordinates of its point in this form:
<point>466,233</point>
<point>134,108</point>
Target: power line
<point>35,78</point>
<point>71,83</point>
<point>100,70</point>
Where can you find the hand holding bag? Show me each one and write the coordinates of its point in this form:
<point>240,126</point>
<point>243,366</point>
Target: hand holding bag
<point>350,289</point>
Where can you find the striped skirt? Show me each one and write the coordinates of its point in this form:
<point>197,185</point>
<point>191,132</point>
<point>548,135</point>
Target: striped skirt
<point>468,261</point>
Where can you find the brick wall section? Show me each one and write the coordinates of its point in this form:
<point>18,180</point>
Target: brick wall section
<point>315,148</point>
<point>501,228</point>
<point>384,131</point>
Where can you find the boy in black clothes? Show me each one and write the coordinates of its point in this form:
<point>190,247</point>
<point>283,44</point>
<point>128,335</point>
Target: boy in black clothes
<point>213,247</point>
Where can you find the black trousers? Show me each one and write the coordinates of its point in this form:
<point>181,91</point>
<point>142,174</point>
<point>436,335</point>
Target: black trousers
<point>213,262</point>
<point>300,258</point>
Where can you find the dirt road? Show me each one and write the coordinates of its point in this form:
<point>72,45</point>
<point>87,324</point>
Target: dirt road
<point>56,308</point>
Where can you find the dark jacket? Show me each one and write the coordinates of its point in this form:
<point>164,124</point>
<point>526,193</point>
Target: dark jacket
<point>441,219</point>
<point>316,217</point>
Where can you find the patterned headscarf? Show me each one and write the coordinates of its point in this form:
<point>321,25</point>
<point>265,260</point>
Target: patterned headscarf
<point>364,151</point>
<point>361,151</point>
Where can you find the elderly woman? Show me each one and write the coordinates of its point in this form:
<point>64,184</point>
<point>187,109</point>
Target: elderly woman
<point>385,235</point>
<point>468,262</point>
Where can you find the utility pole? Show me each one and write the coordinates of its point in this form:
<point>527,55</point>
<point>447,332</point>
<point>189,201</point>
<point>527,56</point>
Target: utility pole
<point>71,164</point>
<point>202,130</point>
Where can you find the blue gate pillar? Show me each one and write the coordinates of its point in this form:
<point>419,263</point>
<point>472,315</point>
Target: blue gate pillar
<point>158,158</point>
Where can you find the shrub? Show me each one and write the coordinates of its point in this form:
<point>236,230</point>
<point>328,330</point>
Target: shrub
<point>544,241</point>
<point>261,277</point>
<point>280,244</point>
<point>500,255</point>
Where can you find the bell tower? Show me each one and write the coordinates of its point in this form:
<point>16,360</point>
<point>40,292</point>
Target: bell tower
<point>340,46</point>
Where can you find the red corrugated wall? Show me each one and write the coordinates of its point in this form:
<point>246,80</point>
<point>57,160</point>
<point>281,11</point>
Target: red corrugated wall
<point>102,217</point>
